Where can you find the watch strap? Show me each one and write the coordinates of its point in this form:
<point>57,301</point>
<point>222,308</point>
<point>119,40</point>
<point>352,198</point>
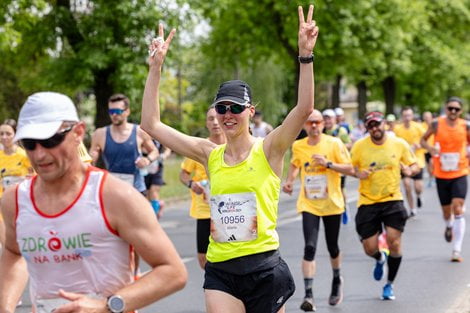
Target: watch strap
<point>307,59</point>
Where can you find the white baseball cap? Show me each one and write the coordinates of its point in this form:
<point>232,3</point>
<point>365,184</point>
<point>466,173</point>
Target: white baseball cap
<point>339,111</point>
<point>42,115</point>
<point>329,113</point>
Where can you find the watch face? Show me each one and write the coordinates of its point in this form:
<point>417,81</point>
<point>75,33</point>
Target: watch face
<point>116,304</point>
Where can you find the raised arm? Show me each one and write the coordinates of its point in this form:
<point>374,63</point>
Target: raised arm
<point>13,270</point>
<point>279,140</point>
<point>195,148</point>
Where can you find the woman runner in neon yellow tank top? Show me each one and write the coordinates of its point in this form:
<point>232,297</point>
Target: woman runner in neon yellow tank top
<point>244,272</point>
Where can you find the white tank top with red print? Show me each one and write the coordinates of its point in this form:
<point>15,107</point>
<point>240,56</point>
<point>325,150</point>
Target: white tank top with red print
<point>75,250</point>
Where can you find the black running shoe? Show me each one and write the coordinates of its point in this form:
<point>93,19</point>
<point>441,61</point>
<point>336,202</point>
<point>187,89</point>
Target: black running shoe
<point>336,295</point>
<point>448,234</point>
<point>308,305</point>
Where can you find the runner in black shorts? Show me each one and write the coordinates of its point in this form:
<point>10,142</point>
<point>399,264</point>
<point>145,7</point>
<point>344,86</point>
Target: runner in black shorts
<point>450,164</point>
<point>378,160</point>
<point>154,181</point>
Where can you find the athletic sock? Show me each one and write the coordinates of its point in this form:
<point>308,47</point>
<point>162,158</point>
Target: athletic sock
<point>449,222</point>
<point>393,265</point>
<point>308,282</point>
<point>459,232</point>
<point>155,205</point>
<point>336,274</point>
<point>379,256</point>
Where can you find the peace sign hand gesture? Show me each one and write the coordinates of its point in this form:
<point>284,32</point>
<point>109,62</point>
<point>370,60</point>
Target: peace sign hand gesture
<point>308,32</point>
<point>159,47</point>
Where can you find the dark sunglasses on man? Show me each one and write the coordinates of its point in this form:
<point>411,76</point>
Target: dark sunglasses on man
<point>373,124</point>
<point>49,143</point>
<point>453,109</point>
<point>234,108</point>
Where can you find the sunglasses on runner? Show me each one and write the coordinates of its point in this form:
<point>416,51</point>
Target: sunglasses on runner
<point>234,108</point>
<point>373,124</point>
<point>454,109</point>
<point>314,122</point>
<point>52,142</point>
<point>115,111</point>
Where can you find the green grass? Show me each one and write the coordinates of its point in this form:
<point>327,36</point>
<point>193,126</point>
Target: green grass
<point>174,189</point>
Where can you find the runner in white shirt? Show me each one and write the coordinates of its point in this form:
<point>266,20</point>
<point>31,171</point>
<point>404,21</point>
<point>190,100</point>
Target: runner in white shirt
<point>73,227</point>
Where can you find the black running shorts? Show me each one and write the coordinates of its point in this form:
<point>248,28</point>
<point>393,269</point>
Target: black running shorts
<point>370,217</point>
<point>417,176</point>
<point>448,189</point>
<point>264,291</point>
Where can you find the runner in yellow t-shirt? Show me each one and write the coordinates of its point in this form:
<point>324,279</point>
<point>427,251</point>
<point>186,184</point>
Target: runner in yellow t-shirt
<point>14,164</point>
<point>378,160</point>
<point>412,132</point>
<point>320,159</point>
<point>194,176</point>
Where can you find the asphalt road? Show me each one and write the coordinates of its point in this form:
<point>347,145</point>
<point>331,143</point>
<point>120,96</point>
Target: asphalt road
<point>427,280</point>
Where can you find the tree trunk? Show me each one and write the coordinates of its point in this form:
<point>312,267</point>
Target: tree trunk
<point>361,99</point>
<point>389,88</point>
<point>102,89</point>
<point>335,92</point>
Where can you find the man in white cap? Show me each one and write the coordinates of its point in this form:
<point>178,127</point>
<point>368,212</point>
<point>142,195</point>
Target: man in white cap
<point>73,227</point>
<point>334,129</point>
<point>341,120</point>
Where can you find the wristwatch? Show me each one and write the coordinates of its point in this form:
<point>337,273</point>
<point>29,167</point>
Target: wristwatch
<point>115,304</point>
<point>307,59</point>
<point>329,164</point>
<point>190,183</point>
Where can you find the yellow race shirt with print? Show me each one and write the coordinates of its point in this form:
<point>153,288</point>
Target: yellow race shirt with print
<point>383,161</point>
<point>199,204</point>
<point>413,135</point>
<point>252,178</point>
<point>333,150</point>
<point>16,164</point>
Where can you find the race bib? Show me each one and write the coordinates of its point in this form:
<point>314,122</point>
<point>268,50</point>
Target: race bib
<point>128,178</point>
<point>233,217</point>
<point>316,187</point>
<point>450,161</point>
<point>11,180</point>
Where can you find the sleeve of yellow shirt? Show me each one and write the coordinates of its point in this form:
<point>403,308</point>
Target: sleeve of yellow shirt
<point>187,165</point>
<point>407,157</point>
<point>295,160</point>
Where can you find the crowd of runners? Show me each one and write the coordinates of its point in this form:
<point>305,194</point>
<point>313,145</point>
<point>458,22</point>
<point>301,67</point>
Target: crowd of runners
<point>77,232</point>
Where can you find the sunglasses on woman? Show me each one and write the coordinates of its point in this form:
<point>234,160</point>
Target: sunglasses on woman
<point>54,141</point>
<point>234,108</point>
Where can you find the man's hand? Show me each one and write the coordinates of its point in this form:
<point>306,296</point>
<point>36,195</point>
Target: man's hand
<point>81,303</point>
<point>363,174</point>
<point>158,48</point>
<point>308,32</point>
<point>406,170</point>
<point>319,159</point>
<point>142,162</point>
<point>197,188</point>
<point>288,188</point>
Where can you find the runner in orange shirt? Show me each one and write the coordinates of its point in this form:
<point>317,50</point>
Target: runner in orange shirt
<point>451,137</point>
